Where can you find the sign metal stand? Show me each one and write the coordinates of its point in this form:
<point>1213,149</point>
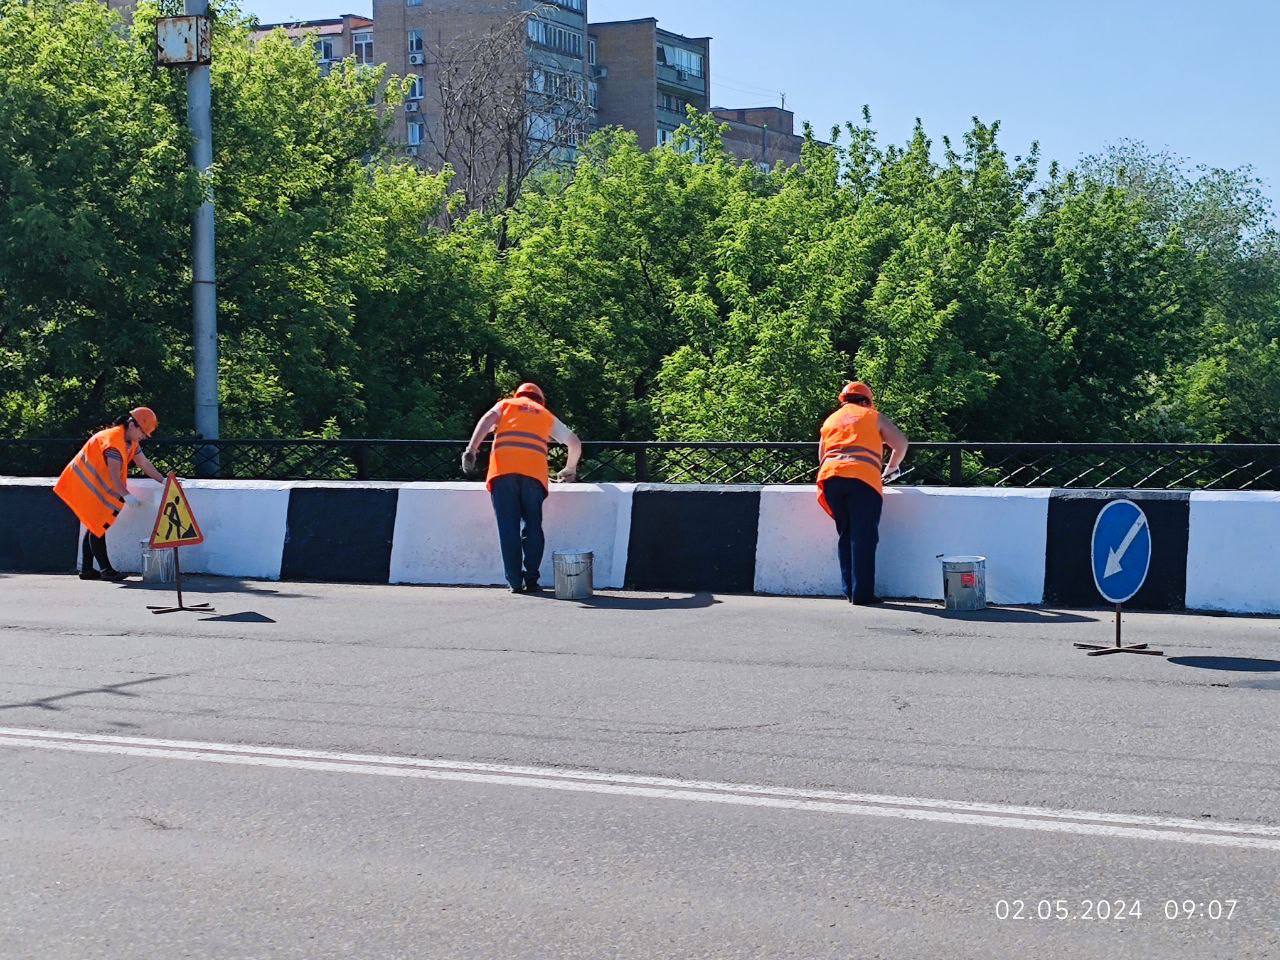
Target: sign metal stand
<point>1120,560</point>
<point>181,530</point>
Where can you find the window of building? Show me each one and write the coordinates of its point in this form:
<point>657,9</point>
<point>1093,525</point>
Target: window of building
<point>591,51</point>
<point>413,134</point>
<point>557,38</point>
<point>577,6</point>
<point>413,3</point>
<point>542,127</point>
<point>324,50</point>
<point>418,87</point>
<point>415,41</point>
<point>665,136</point>
<point>674,104</point>
<point>594,95</point>
<point>363,46</point>
<point>680,59</point>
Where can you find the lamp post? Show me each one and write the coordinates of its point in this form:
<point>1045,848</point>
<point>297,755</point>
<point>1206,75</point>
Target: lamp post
<point>185,42</point>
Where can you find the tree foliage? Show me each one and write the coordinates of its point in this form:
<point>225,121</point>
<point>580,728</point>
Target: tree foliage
<point>670,293</point>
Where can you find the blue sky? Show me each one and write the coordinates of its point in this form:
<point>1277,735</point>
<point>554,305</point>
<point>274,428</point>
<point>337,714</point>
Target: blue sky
<point>1200,79</point>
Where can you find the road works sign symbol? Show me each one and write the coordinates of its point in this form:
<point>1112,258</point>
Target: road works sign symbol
<point>175,523</point>
<point>1121,550</point>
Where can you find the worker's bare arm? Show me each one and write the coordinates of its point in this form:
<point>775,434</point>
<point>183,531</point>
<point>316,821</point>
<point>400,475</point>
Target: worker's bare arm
<point>897,443</point>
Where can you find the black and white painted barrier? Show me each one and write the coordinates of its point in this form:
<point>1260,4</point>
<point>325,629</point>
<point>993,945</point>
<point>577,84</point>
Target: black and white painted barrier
<point>1212,550</point>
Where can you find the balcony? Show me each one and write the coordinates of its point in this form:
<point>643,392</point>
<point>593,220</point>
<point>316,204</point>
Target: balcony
<point>678,78</point>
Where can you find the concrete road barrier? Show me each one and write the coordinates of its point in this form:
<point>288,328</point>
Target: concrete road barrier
<point>1212,551</point>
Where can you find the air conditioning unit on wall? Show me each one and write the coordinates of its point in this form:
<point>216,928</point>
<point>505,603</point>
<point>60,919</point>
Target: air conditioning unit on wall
<point>417,59</point>
<point>411,150</point>
<point>411,107</point>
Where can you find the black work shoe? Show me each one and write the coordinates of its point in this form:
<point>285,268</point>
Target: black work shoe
<point>517,589</point>
<point>532,586</point>
<point>90,574</point>
<point>869,602</point>
<point>113,576</point>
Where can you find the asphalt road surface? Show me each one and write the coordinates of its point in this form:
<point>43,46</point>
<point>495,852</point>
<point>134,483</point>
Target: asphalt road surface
<point>385,772</point>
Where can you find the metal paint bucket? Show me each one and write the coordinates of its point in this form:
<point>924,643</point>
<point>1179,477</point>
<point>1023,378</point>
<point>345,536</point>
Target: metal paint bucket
<point>964,582</point>
<point>574,574</point>
<point>157,565</point>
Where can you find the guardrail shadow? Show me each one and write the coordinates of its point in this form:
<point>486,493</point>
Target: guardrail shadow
<point>1030,615</point>
<point>1234,664</point>
<point>599,601</point>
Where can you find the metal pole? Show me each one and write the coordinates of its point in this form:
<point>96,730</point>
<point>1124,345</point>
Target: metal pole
<point>1117,625</point>
<point>204,290</point>
<point>177,575</point>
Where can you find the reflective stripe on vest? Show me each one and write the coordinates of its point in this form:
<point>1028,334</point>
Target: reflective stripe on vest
<point>87,485</point>
<point>852,447</point>
<point>520,440</point>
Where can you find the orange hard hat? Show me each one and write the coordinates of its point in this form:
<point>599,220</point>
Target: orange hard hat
<point>856,389</point>
<point>531,390</point>
<point>145,418</point>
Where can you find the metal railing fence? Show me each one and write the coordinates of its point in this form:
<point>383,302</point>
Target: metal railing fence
<point>1165,466</point>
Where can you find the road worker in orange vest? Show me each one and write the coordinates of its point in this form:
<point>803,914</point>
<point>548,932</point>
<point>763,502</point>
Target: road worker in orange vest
<point>95,485</point>
<point>522,428</point>
<point>851,478</point>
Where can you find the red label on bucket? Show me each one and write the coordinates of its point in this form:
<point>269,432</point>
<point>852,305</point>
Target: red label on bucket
<point>968,579</point>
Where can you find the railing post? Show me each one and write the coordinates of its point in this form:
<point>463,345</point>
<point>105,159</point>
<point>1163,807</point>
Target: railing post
<point>957,472</point>
<point>362,468</point>
<point>642,464</point>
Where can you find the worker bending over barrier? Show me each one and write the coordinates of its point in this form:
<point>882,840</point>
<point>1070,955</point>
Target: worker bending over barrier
<point>851,479</point>
<point>522,428</point>
<point>95,485</point>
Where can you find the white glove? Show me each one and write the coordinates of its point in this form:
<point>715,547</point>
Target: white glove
<point>567,476</point>
<point>131,500</point>
<point>468,462</point>
<point>891,475</point>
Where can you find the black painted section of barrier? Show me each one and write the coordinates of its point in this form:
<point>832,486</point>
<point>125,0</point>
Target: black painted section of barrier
<point>38,532</point>
<point>341,535</point>
<point>698,539</point>
<point>1068,579</point>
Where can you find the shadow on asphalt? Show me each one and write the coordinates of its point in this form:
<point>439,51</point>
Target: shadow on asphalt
<point>248,616</point>
<point>115,689</point>
<point>1235,664</point>
<point>600,601</point>
<point>993,614</point>
<point>202,584</point>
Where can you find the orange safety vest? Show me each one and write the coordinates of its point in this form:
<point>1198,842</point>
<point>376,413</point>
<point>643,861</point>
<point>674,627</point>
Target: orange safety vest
<point>520,440</point>
<point>851,447</point>
<point>93,483</point>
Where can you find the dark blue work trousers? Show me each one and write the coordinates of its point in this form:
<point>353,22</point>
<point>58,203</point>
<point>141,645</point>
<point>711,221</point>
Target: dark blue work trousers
<point>856,506</point>
<point>517,506</point>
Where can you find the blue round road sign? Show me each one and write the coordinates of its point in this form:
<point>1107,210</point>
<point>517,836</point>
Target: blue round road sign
<point>1121,550</point>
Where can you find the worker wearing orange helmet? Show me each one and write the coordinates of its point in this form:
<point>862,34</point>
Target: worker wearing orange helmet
<point>95,485</point>
<point>522,429</point>
<point>851,478</point>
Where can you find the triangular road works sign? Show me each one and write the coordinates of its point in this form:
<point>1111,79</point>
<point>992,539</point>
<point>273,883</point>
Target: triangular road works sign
<point>175,523</point>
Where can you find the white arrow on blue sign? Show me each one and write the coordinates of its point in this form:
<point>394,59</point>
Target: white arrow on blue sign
<point>1121,554</point>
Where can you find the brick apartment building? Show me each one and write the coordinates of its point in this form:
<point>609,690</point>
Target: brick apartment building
<point>765,136</point>
<point>334,39</point>
<point>647,77</point>
<point>583,76</point>
<point>409,35</point>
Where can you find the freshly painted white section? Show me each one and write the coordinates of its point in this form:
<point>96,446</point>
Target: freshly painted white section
<point>243,522</point>
<point>1233,552</point>
<point>796,547</point>
<point>445,532</point>
<point>999,816</point>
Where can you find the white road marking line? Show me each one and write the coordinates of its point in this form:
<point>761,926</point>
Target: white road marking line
<point>1080,822</point>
